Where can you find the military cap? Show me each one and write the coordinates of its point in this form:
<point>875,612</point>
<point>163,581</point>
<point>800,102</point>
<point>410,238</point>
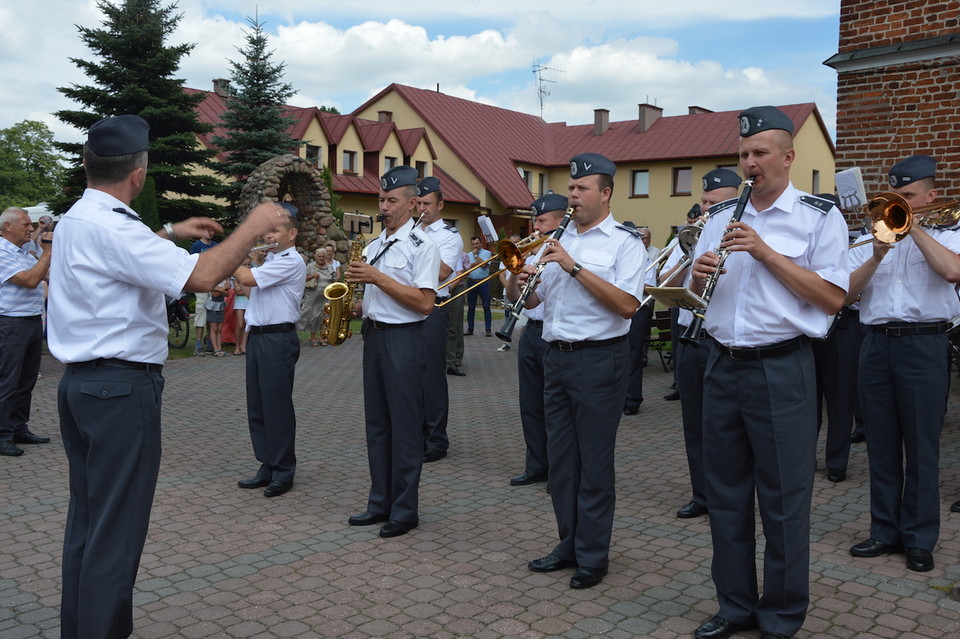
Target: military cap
<point>719,178</point>
<point>912,169</point>
<point>763,118</point>
<point>549,202</point>
<point>398,176</point>
<point>291,210</point>
<point>428,185</point>
<point>694,212</point>
<point>119,135</point>
<point>591,164</point>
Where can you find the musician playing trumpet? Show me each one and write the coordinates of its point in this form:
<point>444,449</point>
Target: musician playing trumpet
<point>786,272</point>
<point>907,299</point>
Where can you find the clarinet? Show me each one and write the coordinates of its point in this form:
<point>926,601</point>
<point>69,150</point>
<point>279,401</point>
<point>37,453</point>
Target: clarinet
<point>691,336</point>
<point>506,332</point>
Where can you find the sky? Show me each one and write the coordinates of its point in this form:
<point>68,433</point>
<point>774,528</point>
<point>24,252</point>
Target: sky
<point>613,54</point>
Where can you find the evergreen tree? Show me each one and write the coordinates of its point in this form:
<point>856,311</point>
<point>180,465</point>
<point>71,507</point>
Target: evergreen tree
<point>135,73</point>
<point>256,129</point>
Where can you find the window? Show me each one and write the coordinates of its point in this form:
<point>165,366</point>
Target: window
<point>682,178</point>
<point>350,162</point>
<point>544,186</point>
<point>815,182</point>
<point>527,178</point>
<point>639,183</point>
<point>730,167</point>
<point>389,163</point>
<point>421,170</point>
<point>315,154</point>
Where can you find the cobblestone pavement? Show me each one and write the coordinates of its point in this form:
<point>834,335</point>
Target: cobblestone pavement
<point>225,562</point>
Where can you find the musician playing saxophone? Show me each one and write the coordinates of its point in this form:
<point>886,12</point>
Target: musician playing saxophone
<point>786,272</point>
<point>401,276</point>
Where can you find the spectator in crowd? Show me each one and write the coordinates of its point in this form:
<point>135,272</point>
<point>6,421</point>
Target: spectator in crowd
<point>205,243</point>
<point>478,254</point>
<point>319,276</point>
<point>241,297</point>
<point>216,305</point>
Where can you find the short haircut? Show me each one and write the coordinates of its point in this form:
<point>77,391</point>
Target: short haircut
<point>477,238</point>
<point>438,193</point>
<point>113,169</point>
<point>11,214</point>
<point>605,181</point>
<point>292,223</point>
<point>409,191</point>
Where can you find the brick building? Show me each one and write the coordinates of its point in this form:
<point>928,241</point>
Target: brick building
<point>898,88</point>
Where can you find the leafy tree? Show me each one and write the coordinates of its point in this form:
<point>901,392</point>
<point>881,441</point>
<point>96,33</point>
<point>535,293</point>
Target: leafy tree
<point>135,73</point>
<point>256,128</point>
<point>30,170</point>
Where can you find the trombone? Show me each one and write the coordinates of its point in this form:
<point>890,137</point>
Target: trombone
<point>892,217</point>
<point>511,255</point>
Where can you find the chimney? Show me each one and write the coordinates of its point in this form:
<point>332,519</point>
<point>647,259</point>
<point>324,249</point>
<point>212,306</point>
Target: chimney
<point>695,110</point>
<point>384,116</point>
<point>601,121</point>
<point>221,87</point>
<point>648,115</point>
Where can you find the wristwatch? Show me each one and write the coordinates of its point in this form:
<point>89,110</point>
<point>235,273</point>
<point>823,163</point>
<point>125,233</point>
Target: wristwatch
<point>576,269</point>
<point>168,229</point>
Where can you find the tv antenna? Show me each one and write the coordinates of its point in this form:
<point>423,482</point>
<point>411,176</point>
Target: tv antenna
<point>542,82</point>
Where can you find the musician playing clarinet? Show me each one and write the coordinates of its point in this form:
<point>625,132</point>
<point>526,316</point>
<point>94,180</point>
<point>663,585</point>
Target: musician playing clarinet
<point>786,272</point>
<point>590,289</point>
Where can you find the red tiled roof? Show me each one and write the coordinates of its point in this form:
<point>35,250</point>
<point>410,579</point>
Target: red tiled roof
<point>410,140</point>
<point>452,190</point>
<point>373,135</point>
<point>367,184</point>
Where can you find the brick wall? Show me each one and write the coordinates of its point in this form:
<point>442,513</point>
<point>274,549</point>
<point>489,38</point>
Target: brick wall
<point>888,113</point>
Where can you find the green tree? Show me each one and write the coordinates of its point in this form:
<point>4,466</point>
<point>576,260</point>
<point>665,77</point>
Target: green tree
<point>255,126</point>
<point>31,171</point>
<point>135,73</point>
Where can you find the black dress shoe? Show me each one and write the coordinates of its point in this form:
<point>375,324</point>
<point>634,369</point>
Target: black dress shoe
<point>919,560</point>
<point>857,437</point>
<point>550,563</point>
<point>528,478</point>
<point>874,548</point>
<point>587,577</point>
<point>394,528</point>
<point>366,519</point>
<point>433,454</point>
<point>691,510</point>
<point>720,628</point>
<point>10,449</point>
<point>253,482</point>
<point>836,475</point>
<point>276,488</point>
<point>468,332</point>
<point>453,370</point>
<point>672,395</point>
<point>631,408</point>
<point>766,634</point>
<point>955,507</point>
<point>29,438</point>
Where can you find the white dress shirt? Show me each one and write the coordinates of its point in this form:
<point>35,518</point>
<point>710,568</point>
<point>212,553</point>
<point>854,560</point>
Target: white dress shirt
<point>412,260</point>
<point>750,306</point>
<point>15,300</point>
<point>280,283</point>
<point>447,239</point>
<point>571,313</point>
<point>108,277</point>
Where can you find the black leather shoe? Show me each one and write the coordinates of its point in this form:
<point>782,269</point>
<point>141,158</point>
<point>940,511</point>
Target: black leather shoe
<point>955,507</point>
<point>631,408</point>
<point>366,519</point>
<point>587,577</point>
<point>720,628</point>
<point>10,449</point>
<point>394,528</point>
<point>836,475</point>
<point>672,396</point>
<point>276,488</point>
<point>919,560</point>
<point>29,438</point>
<point>528,478</point>
<point>857,437</point>
<point>253,482</point>
<point>874,548</point>
<point>468,332</point>
<point>691,510</point>
<point>433,454</point>
<point>453,370</point>
<point>550,563</point>
<point>766,634</point>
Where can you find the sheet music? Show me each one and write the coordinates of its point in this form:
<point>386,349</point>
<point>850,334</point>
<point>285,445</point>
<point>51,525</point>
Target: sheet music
<point>850,189</point>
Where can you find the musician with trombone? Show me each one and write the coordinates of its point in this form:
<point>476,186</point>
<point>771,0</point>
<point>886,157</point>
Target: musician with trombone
<point>401,286</point>
<point>590,288</point>
<point>907,299</point>
<point>718,196</point>
<point>784,272</point>
<point>547,213</point>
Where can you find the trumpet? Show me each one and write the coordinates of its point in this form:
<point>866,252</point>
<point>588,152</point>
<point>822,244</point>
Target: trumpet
<point>511,255</point>
<point>893,217</point>
<point>264,247</point>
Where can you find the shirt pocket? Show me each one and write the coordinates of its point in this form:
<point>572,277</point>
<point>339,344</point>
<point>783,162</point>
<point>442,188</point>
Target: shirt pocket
<point>790,247</point>
<point>598,262</point>
<point>106,390</point>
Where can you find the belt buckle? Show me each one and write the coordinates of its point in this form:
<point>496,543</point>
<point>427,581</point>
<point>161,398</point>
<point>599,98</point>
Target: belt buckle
<point>893,331</point>
<point>565,347</point>
<point>735,353</point>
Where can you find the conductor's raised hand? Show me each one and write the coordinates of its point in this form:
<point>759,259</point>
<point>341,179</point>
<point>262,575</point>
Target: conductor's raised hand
<point>196,227</point>
<point>265,217</point>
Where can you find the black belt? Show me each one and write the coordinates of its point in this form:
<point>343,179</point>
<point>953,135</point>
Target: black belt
<point>896,329</point>
<point>273,328</point>
<point>35,318</point>
<point>535,323</point>
<point>567,347</point>
<point>119,363</point>
<point>761,352</point>
<point>383,326</point>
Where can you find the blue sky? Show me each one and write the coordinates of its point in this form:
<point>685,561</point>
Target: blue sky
<point>612,54</point>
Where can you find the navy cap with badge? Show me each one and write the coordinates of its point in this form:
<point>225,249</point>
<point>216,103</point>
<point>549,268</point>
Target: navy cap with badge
<point>118,135</point>
<point>720,178</point>
<point>912,169</point>
<point>397,177</point>
<point>763,118</point>
<point>549,202</point>
<point>586,164</point>
<point>428,185</point>
<point>291,210</point>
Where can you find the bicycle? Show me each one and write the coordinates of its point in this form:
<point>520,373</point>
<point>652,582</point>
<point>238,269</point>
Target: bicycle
<point>177,316</point>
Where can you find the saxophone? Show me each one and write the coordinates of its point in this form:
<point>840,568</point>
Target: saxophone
<point>339,306</point>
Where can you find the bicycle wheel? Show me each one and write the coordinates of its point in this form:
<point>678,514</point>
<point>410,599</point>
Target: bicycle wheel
<point>179,333</point>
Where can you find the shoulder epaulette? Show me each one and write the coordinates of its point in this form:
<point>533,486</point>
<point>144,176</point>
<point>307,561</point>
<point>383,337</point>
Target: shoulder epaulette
<point>719,207</point>
<point>132,216</point>
<point>451,228</point>
<point>632,231</point>
<point>820,203</point>
<point>416,239</point>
